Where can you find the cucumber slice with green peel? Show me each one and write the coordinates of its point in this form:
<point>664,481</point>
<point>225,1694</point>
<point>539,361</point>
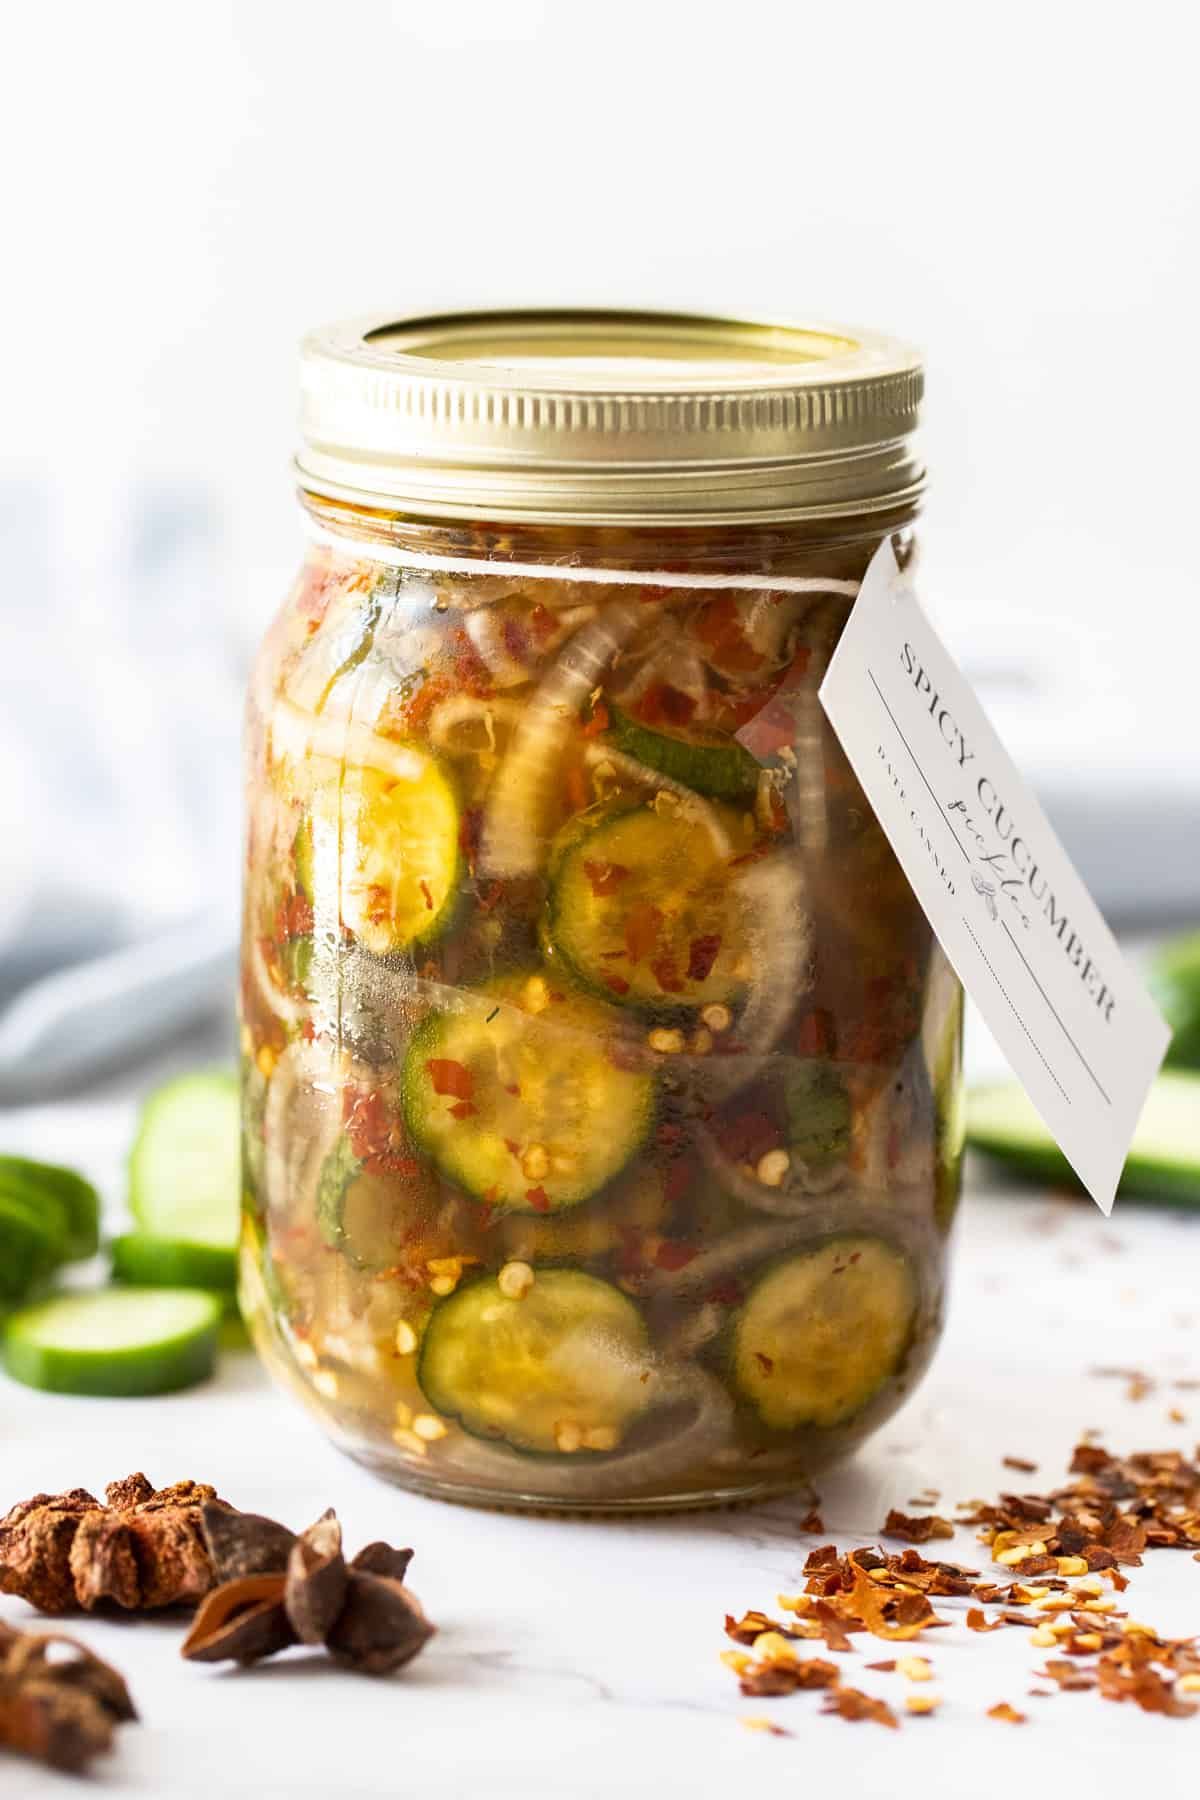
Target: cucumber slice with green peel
<point>78,1198</point>
<point>563,1369</point>
<point>361,1212</point>
<point>644,909</point>
<point>707,762</point>
<point>1174,980</point>
<point>140,1260</point>
<point>400,856</point>
<point>821,1333</point>
<point>1164,1155</point>
<point>116,1341</point>
<point>185,1178</point>
<point>30,1247</point>
<point>520,1098</point>
<point>819,1112</point>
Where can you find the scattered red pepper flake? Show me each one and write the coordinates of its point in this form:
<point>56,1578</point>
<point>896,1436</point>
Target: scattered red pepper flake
<point>427,892</point>
<point>1019,1463</point>
<point>616,984</point>
<point>914,1529</point>
<point>463,1110</point>
<point>851,1703</point>
<point>538,1198</point>
<point>1009,1714</point>
<point>766,1363</point>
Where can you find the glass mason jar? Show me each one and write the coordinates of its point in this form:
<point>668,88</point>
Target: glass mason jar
<point>602,1087</point>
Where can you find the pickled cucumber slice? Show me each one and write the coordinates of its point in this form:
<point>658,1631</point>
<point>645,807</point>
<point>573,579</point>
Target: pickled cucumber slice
<point>519,1099</point>
<point>706,761</point>
<point>363,1212</point>
<point>821,1332</point>
<point>77,1198</point>
<point>563,1369</point>
<point>116,1341</point>
<point>399,854</point>
<point>819,1112</point>
<point>644,909</point>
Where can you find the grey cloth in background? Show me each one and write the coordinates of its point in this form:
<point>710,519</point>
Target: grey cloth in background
<point>120,705</point>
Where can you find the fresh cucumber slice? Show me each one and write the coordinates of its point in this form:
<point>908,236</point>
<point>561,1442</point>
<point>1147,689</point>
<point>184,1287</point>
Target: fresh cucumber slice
<point>30,1246</point>
<point>1164,1156</point>
<point>116,1341</point>
<point>144,1261</point>
<point>397,846</point>
<point>562,1369</point>
<point>1174,977</point>
<point>820,1333</point>
<point>708,762</point>
<point>644,909</point>
<point>77,1197</point>
<point>519,1098</point>
<point>185,1169</point>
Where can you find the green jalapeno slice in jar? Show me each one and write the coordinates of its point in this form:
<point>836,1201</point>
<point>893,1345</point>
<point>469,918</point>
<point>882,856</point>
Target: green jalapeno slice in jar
<point>821,1333</point>
<point>644,906</point>
<point>523,1097</point>
<point>560,1369</point>
<point>710,762</point>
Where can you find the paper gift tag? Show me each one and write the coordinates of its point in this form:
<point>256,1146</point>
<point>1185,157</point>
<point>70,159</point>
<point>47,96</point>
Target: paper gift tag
<point>1012,914</point>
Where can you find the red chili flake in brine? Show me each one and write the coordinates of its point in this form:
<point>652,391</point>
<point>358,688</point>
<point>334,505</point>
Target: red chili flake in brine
<point>662,704</point>
<point>642,926</point>
<point>702,954</point>
<point>515,641</point>
<point>817,1034</point>
<point>598,722</point>
<point>538,1198</point>
<point>605,877</point>
<point>450,1078</point>
<point>463,1110</point>
<point>672,1255</point>
<point>427,892</point>
<point>667,975</point>
<point>616,984</point>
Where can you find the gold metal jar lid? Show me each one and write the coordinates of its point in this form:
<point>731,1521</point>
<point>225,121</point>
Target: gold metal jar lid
<point>609,418</point>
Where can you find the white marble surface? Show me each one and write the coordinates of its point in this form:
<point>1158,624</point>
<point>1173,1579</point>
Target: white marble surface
<point>581,1658</point>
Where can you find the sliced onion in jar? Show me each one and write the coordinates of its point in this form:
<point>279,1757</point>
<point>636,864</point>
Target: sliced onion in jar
<point>804,1190</point>
<point>698,1422</point>
<point>773,900</point>
<point>465,725</point>
<point>302,1120</point>
<point>519,815</point>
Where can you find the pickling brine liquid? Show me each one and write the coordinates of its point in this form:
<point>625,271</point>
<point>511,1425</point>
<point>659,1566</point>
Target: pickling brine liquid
<point>601,1072</point>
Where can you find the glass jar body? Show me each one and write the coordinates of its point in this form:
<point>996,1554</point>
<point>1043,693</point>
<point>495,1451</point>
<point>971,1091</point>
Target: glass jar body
<point>601,1074</point>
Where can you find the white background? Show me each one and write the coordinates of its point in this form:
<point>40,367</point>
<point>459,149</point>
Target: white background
<point>1014,187</point>
<point>189,186</point>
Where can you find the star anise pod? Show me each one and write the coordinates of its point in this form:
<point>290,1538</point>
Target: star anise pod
<point>142,1548</point>
<point>60,1708</point>
<point>288,1590</point>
